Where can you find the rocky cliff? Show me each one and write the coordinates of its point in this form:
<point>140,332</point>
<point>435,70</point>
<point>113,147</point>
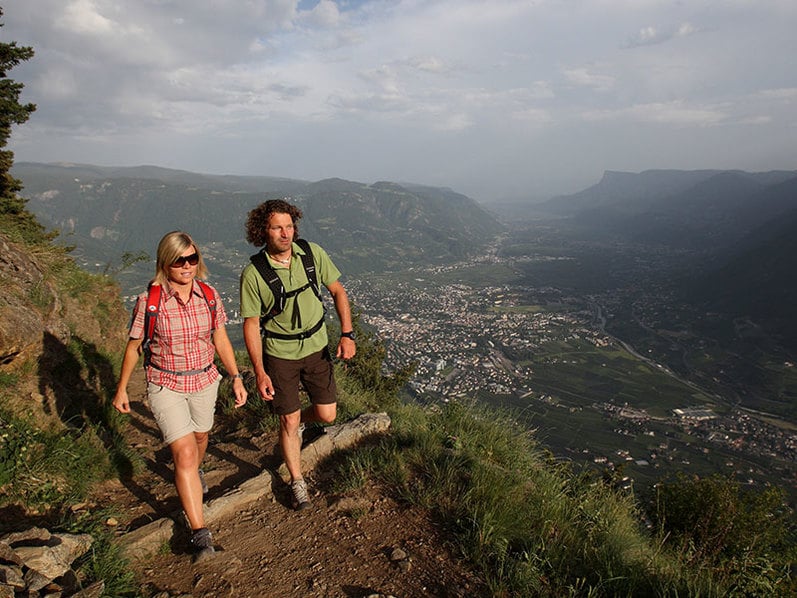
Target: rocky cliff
<point>55,318</point>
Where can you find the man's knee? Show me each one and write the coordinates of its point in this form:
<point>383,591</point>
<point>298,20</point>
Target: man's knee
<point>291,421</point>
<point>326,413</point>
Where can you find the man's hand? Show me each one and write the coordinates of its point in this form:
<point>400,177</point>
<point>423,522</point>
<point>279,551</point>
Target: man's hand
<point>265,387</point>
<point>347,348</point>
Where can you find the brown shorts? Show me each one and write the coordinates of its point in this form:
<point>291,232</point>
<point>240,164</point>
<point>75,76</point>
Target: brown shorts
<point>315,373</point>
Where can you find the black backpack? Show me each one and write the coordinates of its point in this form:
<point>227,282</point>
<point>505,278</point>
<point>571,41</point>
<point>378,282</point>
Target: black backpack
<point>272,279</point>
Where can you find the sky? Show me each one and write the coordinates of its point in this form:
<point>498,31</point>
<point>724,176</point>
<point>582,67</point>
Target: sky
<point>495,99</point>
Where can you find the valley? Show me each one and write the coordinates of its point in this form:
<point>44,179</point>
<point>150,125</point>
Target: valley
<point>627,407</point>
<point>636,334</point>
<point>613,380</point>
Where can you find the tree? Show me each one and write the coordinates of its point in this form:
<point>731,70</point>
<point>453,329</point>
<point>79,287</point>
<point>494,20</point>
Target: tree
<point>12,112</point>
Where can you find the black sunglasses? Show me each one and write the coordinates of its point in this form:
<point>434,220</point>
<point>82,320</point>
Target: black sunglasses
<point>181,261</point>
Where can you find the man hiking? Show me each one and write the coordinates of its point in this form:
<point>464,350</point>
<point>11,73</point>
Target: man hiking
<point>284,328</point>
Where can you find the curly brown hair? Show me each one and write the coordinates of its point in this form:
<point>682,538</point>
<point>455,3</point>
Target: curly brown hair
<point>257,220</point>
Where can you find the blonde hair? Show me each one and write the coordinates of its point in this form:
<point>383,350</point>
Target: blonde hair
<point>171,247</point>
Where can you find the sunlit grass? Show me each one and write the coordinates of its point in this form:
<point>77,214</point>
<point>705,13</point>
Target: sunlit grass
<point>528,524</point>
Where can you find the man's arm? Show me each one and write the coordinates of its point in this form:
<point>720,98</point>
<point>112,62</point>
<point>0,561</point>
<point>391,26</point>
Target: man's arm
<point>254,346</point>
<point>346,346</point>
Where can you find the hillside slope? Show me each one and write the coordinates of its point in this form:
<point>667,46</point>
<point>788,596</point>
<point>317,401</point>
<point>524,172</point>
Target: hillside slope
<point>60,323</point>
<point>353,543</point>
<point>108,211</point>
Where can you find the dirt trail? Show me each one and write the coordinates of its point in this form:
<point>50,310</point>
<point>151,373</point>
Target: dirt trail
<point>360,544</point>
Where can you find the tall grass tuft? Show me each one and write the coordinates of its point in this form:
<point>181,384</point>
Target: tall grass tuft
<point>529,525</point>
<point>44,469</point>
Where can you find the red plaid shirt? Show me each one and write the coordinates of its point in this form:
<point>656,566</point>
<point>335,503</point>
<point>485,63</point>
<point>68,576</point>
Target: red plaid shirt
<point>182,340</point>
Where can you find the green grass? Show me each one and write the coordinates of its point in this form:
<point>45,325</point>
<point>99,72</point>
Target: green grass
<point>105,560</point>
<point>581,374</point>
<point>8,379</point>
<point>57,445</point>
<point>528,525</point>
<point>44,469</point>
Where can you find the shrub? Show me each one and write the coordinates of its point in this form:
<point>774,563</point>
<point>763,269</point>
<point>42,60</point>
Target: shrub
<point>746,536</point>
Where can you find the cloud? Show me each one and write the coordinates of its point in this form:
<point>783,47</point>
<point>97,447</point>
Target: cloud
<point>483,84</point>
<point>428,64</point>
<point>81,16</point>
<point>587,77</point>
<point>669,113</point>
<point>533,115</point>
<point>324,14</point>
<point>651,35</point>
<point>787,93</point>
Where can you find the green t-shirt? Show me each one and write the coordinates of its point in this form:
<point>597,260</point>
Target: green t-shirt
<point>257,299</point>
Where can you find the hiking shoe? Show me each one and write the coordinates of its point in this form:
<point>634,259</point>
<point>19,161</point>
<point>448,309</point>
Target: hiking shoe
<point>202,544</point>
<point>203,482</point>
<point>301,499</point>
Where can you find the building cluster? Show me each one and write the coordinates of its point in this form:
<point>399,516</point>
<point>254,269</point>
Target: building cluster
<point>466,340</point>
<point>734,432</point>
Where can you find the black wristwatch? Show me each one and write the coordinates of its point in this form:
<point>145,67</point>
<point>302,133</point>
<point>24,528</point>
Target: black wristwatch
<point>349,334</point>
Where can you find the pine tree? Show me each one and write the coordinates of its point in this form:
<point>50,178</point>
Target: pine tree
<point>12,112</point>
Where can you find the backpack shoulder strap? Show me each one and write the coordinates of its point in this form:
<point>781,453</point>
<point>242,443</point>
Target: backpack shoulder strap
<point>260,261</point>
<point>150,318</point>
<point>210,298</point>
<point>309,266</point>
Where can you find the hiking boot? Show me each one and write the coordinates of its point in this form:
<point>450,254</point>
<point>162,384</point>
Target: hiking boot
<point>301,499</point>
<point>203,482</point>
<point>202,544</point>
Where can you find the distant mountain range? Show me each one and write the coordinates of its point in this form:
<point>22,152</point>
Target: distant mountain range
<point>741,227</point>
<point>107,211</point>
<point>701,209</point>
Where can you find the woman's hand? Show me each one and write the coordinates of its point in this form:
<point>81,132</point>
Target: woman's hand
<point>121,401</point>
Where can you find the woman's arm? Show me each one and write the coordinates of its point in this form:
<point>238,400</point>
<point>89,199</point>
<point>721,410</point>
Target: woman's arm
<point>133,349</point>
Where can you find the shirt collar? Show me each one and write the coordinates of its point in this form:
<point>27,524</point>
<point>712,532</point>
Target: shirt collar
<point>296,249</point>
<point>170,292</point>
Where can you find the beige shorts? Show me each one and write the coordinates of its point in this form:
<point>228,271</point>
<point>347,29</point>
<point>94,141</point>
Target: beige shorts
<point>179,414</point>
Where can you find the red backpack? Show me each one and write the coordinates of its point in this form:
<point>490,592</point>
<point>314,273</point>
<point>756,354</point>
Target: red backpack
<point>153,306</point>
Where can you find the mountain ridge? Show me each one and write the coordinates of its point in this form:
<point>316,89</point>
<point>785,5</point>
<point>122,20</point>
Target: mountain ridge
<point>107,211</point>
<point>645,188</point>
<point>733,228</point>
